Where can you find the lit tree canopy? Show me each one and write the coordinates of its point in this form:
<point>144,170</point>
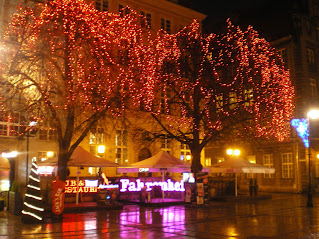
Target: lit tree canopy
<point>217,87</point>
<point>68,63</point>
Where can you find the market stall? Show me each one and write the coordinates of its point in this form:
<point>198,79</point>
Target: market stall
<point>162,163</point>
<point>79,159</point>
<point>239,165</point>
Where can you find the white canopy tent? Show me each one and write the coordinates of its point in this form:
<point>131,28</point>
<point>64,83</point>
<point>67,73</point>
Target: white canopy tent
<point>239,165</point>
<point>160,162</point>
<point>80,158</point>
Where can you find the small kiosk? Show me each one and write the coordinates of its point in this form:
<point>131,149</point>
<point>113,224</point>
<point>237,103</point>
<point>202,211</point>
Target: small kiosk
<point>99,188</point>
<point>148,188</point>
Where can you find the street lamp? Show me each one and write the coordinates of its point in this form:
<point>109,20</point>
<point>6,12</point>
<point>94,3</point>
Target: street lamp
<point>313,114</point>
<point>101,150</point>
<point>232,153</point>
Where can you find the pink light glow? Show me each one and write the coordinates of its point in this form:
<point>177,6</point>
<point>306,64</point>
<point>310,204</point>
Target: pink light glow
<point>127,185</point>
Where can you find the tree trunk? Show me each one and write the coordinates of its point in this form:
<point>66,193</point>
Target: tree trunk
<point>62,164</point>
<point>196,164</point>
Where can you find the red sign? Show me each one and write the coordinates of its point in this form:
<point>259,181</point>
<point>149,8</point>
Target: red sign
<point>58,196</point>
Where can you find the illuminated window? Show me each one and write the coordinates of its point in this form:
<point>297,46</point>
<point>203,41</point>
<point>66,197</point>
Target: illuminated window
<point>93,170</point>
<point>310,56</point>
<point>166,144</point>
<point>9,124</point>
<point>102,5</point>
<point>208,162</point>
<point>166,25</point>
<point>251,159</point>
<point>43,155</point>
<point>121,147</point>
<point>148,18</point>
<point>219,102</point>
<point>287,165</point>
<point>185,153</point>
<point>96,136</point>
<point>268,162</point>
<point>48,134</point>
<point>283,55</point>
<point>232,100</point>
<point>248,97</point>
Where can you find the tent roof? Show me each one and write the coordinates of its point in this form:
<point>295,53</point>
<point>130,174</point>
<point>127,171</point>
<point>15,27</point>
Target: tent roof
<point>161,161</point>
<point>81,158</point>
<point>4,164</point>
<point>239,165</point>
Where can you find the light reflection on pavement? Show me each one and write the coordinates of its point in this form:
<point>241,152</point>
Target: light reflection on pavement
<point>283,216</point>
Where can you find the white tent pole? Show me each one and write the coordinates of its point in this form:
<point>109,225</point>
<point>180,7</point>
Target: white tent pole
<point>77,187</point>
<point>236,184</point>
<point>162,185</point>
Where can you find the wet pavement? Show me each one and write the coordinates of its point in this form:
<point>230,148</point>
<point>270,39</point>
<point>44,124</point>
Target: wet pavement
<point>283,216</point>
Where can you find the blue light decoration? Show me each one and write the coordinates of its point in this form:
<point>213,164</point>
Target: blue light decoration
<point>302,128</point>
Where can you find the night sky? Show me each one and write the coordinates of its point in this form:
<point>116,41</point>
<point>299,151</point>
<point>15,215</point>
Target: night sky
<point>265,16</point>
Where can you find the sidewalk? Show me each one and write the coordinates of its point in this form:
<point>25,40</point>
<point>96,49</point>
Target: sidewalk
<point>284,216</point>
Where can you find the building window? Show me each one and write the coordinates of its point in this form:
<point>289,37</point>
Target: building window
<point>268,162</point>
<point>219,102</point>
<point>166,144</point>
<point>96,136</point>
<point>148,20</point>
<point>287,165</point>
<point>251,159</point>
<point>248,97</point>
<point>121,147</point>
<point>166,25</point>
<point>220,159</point>
<point>10,124</point>
<point>232,100</point>
<point>186,154</point>
<point>44,155</point>
<point>310,56</point>
<point>313,88</point>
<point>48,134</point>
<point>283,55</point>
<point>94,170</point>
<point>208,162</point>
<point>123,10</point>
<point>102,5</point>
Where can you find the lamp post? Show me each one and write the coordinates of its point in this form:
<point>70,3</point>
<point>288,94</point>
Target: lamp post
<point>232,153</point>
<point>313,114</point>
<point>31,124</point>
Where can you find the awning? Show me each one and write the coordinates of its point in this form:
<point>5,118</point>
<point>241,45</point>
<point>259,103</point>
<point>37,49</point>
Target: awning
<point>81,158</point>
